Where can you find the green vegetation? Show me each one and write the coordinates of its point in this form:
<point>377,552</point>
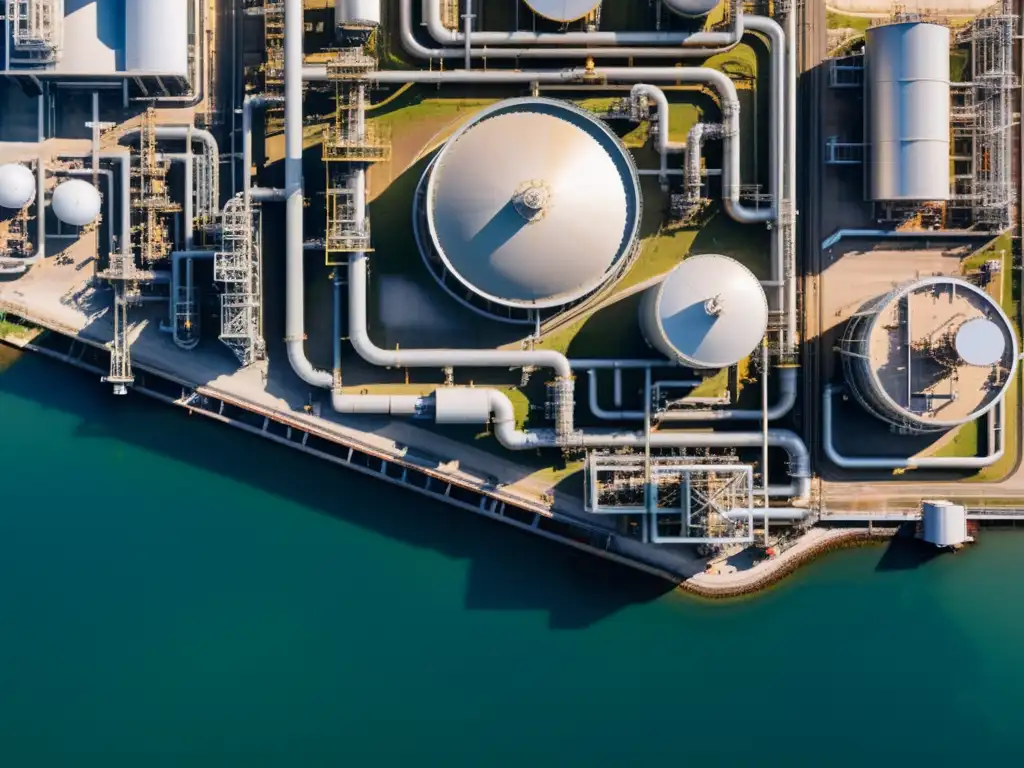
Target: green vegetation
<point>15,330</point>
<point>836,20</point>
<point>958,64</point>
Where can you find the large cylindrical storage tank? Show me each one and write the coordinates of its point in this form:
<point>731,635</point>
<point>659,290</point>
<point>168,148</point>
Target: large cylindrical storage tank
<point>907,81</point>
<point>943,523</point>
<point>563,10</point>
<point>693,9</point>
<point>532,205</point>
<point>357,13</point>
<point>709,312</point>
<point>930,355</point>
<point>156,36</point>
<point>76,202</point>
<point>17,186</point>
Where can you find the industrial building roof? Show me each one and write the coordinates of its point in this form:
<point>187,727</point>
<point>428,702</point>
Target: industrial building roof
<point>534,203</point>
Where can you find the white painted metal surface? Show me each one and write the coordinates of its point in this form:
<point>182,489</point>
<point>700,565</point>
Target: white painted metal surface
<point>462,405</point>
<point>156,36</point>
<point>535,203</point>
<point>359,13</point>
<point>691,8</point>
<point>907,82</point>
<point>980,342</point>
<point>76,202</point>
<point>17,186</point>
<point>563,10</point>
<point>709,312</point>
<point>943,524</point>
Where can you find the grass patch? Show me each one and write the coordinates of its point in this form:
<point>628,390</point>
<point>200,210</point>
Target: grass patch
<point>13,330</point>
<point>836,20</point>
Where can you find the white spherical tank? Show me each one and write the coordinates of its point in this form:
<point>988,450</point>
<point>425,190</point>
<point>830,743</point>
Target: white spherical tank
<point>76,202</point>
<point>709,312</point>
<point>357,13</point>
<point>156,36</point>
<point>691,8</point>
<point>17,186</point>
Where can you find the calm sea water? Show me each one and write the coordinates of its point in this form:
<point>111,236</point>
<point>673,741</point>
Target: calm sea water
<point>175,593</point>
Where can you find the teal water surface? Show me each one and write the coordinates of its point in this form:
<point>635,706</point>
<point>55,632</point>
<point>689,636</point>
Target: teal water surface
<point>175,593</point>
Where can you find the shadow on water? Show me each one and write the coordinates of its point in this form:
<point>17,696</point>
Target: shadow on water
<point>508,569</point>
<point>905,553</point>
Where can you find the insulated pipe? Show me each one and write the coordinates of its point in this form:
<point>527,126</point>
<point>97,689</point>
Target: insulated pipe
<point>790,212</point>
<point>710,77</point>
<point>996,446</point>
<point>432,358</point>
<point>414,47</point>
<point>517,440</point>
<point>441,34</point>
<point>124,158</point>
<point>699,133</point>
<point>664,145</point>
<point>171,326</point>
<point>189,133</point>
<point>248,105</point>
<point>295,306</point>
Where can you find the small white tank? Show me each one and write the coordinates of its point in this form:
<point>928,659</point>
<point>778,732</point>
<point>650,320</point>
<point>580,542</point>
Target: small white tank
<point>691,8</point>
<point>17,186</point>
<point>76,202</point>
<point>359,13</point>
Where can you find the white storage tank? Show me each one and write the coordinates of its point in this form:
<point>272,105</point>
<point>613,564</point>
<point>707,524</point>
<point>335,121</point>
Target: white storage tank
<point>693,9</point>
<point>357,13</point>
<point>907,81</point>
<point>76,202</point>
<point>709,312</point>
<point>943,523</point>
<point>563,10</point>
<point>17,186</point>
<point>156,37</point>
<point>462,405</point>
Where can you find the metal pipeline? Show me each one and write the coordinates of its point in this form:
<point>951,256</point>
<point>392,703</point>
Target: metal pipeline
<point>699,133</point>
<point>717,40</point>
<point>189,133</point>
<point>996,446</point>
<point>109,176</point>
<point>255,193</point>
<point>171,326</point>
<point>124,158</point>
<point>665,147</point>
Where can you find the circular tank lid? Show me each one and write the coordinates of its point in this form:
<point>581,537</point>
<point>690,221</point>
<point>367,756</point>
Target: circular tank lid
<point>563,10</point>
<point>980,342</point>
<point>712,311</point>
<point>17,186</point>
<point>76,202</point>
<point>692,8</point>
<point>534,203</point>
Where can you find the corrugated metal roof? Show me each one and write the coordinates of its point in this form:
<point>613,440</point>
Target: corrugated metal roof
<point>534,203</point>
<point>712,311</point>
<point>563,10</point>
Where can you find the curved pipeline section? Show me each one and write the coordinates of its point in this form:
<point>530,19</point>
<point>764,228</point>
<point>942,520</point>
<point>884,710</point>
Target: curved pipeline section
<point>549,45</point>
<point>996,447</point>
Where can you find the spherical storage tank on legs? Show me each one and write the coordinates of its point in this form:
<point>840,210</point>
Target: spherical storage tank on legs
<point>17,186</point>
<point>693,9</point>
<point>907,124</point>
<point>156,36</point>
<point>563,10</point>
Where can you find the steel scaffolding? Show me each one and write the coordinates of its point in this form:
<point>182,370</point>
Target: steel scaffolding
<point>36,27</point>
<point>151,204</point>
<point>982,119</point>
<point>237,265</point>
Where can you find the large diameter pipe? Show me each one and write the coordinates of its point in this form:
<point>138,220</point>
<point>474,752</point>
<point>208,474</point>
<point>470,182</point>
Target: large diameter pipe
<point>295,305</point>
<point>432,358</point>
<point>414,47</point>
<point>248,105</point>
<point>444,36</point>
<point>996,446</point>
<point>171,325</point>
<point>665,147</point>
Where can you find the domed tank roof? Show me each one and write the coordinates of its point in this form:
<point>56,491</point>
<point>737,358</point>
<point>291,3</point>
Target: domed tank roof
<point>691,8</point>
<point>980,341</point>
<point>17,186</point>
<point>76,202</point>
<point>563,10</point>
<point>535,203</point>
<point>709,312</point>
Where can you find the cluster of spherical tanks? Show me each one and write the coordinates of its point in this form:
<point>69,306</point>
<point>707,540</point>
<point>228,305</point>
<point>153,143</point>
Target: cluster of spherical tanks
<point>74,202</point>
